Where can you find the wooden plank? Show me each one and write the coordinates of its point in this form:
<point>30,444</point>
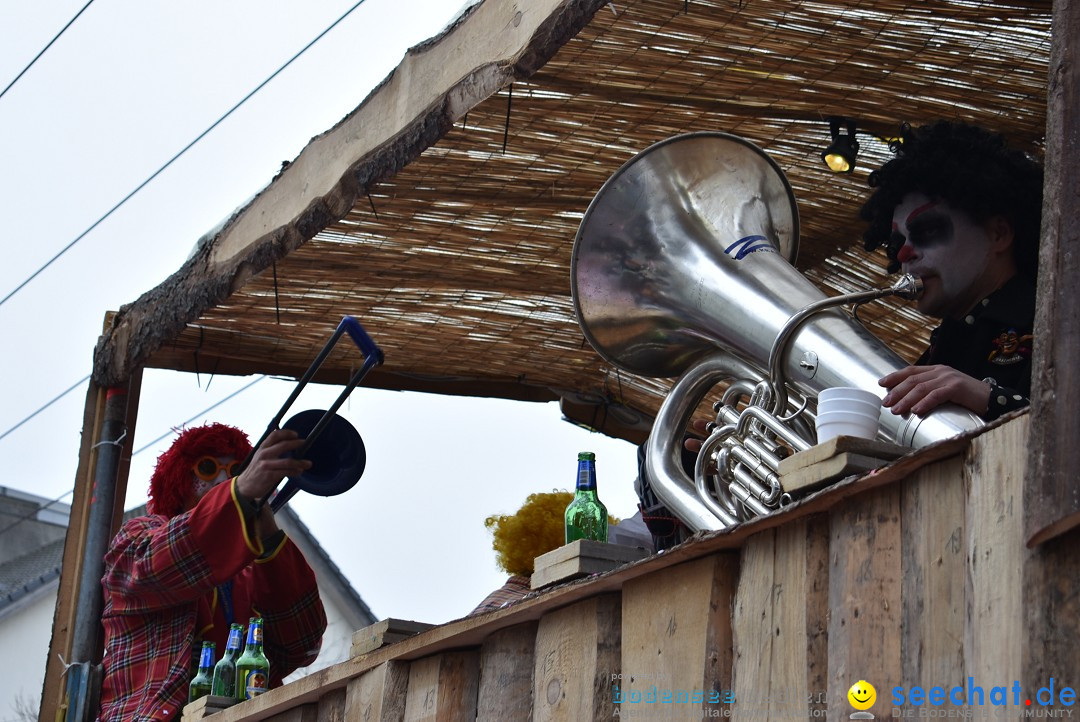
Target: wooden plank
<point>378,695</point>
<point>835,467</point>
<point>752,624</point>
<point>331,707</point>
<point>203,708</point>
<point>1051,493</point>
<point>300,713</point>
<point>506,674</point>
<point>581,558</point>
<point>52,698</point>
<point>443,687</point>
<point>383,632</point>
<point>864,598</point>
<point>1051,625</point>
<point>676,641</point>
<point>577,661</point>
<point>841,445</point>
<point>780,623</point>
<point>933,503</point>
<point>995,551</point>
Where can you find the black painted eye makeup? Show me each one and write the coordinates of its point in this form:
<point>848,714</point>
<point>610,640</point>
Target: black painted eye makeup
<point>930,229</point>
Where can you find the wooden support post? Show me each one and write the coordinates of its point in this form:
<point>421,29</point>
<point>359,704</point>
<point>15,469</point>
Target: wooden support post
<point>676,640</point>
<point>1052,490</point>
<point>780,623</point>
<point>64,617</point>
<point>506,674</point>
<point>378,695</point>
<point>864,597</point>
<point>577,657</point>
<point>934,502</point>
<point>442,688</point>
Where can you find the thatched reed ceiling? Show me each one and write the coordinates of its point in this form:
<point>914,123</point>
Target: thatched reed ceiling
<point>451,238</point>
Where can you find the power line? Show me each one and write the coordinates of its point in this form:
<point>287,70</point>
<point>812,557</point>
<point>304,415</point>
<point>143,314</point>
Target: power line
<point>55,38</point>
<point>187,147</point>
<point>209,408</point>
<point>61,395</point>
<point>133,454</point>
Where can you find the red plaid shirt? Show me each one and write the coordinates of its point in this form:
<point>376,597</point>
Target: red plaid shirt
<point>161,601</point>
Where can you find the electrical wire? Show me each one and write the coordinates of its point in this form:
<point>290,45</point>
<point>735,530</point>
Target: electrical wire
<point>35,511</point>
<point>61,395</point>
<point>55,38</point>
<point>187,147</point>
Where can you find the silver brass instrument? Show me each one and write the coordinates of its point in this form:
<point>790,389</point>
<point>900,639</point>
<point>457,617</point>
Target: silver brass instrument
<point>682,266</point>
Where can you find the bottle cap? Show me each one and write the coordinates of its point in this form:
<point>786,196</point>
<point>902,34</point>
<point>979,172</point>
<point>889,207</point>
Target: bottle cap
<point>586,456</point>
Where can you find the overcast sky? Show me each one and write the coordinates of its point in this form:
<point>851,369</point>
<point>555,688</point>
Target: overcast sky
<point>123,90</point>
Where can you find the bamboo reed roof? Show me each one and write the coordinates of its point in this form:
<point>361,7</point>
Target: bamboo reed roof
<point>442,212</point>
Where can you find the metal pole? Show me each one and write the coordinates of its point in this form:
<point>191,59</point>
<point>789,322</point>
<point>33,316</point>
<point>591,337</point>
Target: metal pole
<point>86,640</point>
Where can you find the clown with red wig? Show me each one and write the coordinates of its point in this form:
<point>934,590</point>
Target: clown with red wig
<point>207,553</point>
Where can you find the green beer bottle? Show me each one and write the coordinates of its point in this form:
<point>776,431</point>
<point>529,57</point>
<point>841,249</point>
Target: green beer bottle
<point>252,668</point>
<point>225,670</point>
<point>586,517</point>
<point>201,682</point>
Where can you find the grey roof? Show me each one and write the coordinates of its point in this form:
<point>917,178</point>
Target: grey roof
<point>24,575</point>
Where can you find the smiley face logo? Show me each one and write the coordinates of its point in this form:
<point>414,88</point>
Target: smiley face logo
<point>862,695</point>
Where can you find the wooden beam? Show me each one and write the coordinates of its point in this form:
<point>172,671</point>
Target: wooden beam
<point>1052,491</point>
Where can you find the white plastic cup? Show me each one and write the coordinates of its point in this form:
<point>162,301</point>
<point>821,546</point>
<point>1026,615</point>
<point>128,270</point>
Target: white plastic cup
<point>847,411</point>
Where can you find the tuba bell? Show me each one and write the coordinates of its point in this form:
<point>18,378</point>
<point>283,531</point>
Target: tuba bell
<point>682,266</point>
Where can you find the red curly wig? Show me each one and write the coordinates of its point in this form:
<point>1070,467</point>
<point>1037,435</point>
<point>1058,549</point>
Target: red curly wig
<point>173,481</point>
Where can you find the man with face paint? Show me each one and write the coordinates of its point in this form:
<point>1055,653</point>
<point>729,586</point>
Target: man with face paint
<point>207,553</point>
<point>959,209</point>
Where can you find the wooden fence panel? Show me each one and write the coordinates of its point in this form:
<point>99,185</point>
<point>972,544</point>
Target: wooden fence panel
<point>577,653</point>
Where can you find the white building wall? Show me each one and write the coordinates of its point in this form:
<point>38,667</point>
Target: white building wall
<point>24,645</point>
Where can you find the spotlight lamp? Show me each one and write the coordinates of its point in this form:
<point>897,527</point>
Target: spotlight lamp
<point>840,155</point>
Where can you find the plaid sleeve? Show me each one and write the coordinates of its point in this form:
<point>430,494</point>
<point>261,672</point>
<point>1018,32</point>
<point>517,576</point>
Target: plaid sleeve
<point>155,562</point>
<point>286,595</point>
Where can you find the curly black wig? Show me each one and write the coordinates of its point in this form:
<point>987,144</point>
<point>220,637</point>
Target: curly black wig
<point>969,168</point>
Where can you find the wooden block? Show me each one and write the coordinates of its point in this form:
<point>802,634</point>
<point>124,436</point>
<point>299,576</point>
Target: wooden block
<point>576,659</point>
<point>840,445</point>
<point>384,632</point>
<point>836,467</point>
<point>506,674</point>
<point>443,687</point>
<point>378,695</point>
<point>676,637</point>
<point>580,559</point>
<point>204,707</point>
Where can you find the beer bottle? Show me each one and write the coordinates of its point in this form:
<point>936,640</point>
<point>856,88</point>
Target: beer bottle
<point>586,517</point>
<point>225,670</point>
<point>201,682</point>
<point>252,668</point>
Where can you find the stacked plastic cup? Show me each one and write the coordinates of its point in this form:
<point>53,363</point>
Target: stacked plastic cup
<point>847,411</point>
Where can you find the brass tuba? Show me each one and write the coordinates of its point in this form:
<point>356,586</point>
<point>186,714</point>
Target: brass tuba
<point>682,266</point>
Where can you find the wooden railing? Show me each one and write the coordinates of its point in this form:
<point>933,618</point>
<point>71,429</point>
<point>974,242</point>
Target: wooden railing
<point>915,575</point>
